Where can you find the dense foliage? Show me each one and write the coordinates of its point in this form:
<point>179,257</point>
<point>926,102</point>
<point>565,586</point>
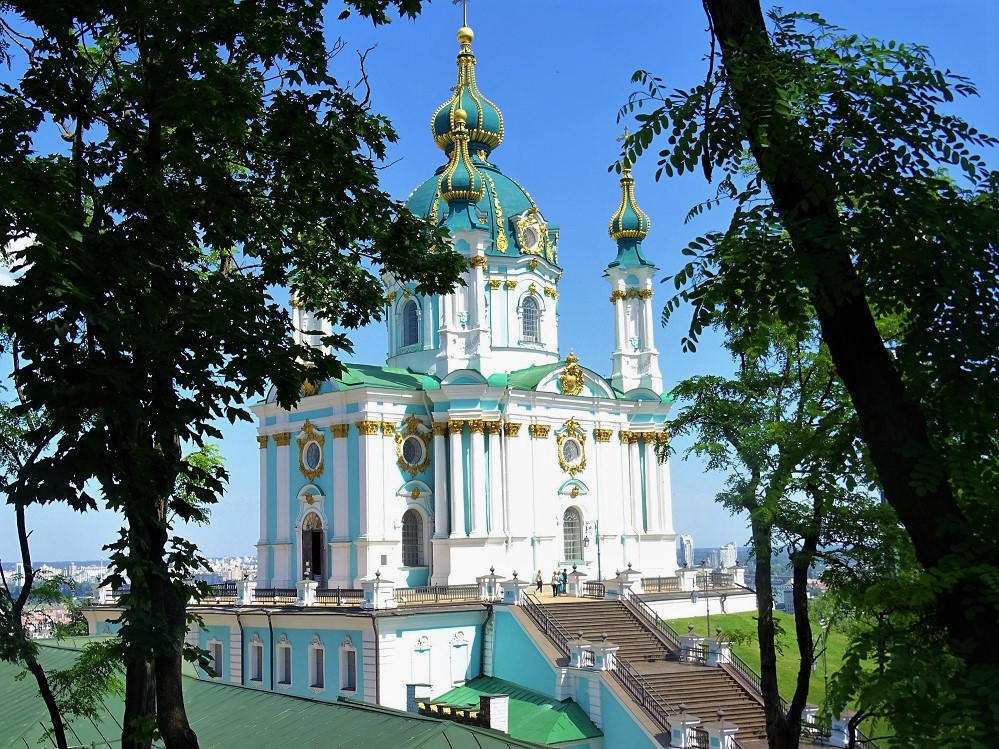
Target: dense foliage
<point>206,159</point>
<point>862,205</point>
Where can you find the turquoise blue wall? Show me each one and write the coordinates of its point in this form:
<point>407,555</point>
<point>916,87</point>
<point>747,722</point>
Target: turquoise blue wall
<point>517,658</point>
<point>221,633</point>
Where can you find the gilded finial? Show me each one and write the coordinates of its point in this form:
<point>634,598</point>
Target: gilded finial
<point>628,221</point>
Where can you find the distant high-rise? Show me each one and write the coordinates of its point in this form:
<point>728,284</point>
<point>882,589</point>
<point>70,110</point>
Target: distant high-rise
<point>687,551</point>
<point>729,554</point>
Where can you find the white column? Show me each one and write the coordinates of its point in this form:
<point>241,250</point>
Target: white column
<point>620,330</point>
<point>263,568</point>
<point>426,308</point>
<point>647,339</point>
<point>455,427</point>
<point>517,457</point>
<point>477,477</point>
<point>340,471</point>
<point>282,571</point>
<point>652,483</point>
<point>634,471</point>
<point>497,501</point>
<point>665,496</point>
<point>440,479</point>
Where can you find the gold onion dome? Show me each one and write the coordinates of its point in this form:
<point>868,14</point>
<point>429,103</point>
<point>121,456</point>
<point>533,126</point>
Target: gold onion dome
<point>484,121</point>
<point>628,221</point>
<point>460,179</point>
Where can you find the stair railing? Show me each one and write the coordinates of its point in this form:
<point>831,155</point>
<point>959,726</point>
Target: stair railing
<point>643,693</point>
<point>671,635</point>
<point>633,682</point>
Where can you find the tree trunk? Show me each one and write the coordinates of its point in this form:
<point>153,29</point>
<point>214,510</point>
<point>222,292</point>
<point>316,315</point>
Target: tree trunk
<point>779,736</point>
<point>892,425</point>
<point>140,704</point>
<point>171,716</point>
<point>58,729</point>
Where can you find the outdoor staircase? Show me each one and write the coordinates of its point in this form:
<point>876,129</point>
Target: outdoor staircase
<point>702,690</point>
<point>637,642</point>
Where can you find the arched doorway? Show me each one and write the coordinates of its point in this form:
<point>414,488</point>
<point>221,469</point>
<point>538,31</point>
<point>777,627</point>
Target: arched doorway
<point>313,547</point>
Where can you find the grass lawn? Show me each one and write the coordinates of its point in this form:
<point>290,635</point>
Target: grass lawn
<point>741,629</point>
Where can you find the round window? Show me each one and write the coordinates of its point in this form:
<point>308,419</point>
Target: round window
<point>313,456</point>
<point>413,450</point>
<point>530,235</point>
<point>571,451</point>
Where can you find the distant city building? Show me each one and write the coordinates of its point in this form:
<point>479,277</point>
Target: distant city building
<point>686,551</point>
<point>729,554</point>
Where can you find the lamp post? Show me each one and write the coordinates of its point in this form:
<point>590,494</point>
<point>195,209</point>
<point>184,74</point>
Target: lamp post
<point>593,526</point>
<point>707,598</point>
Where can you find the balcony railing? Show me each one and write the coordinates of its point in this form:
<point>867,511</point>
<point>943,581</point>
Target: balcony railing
<point>339,597</point>
<point>438,593</point>
<point>276,596</point>
<point>594,590</point>
<point>661,584</point>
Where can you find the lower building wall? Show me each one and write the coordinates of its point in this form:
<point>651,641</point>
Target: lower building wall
<point>684,608</point>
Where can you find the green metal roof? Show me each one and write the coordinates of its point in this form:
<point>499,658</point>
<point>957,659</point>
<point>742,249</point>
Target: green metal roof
<point>233,717</point>
<point>533,716</point>
<point>361,375</point>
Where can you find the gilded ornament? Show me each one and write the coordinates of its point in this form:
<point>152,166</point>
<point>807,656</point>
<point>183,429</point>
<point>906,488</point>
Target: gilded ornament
<point>440,429</point>
<point>494,427</point>
<point>511,428</point>
<point>510,285</point>
<point>532,264</point>
<point>501,241</point>
<point>632,293</point>
<point>262,440</point>
<point>413,427</point>
<point>390,297</point>
<point>455,426</point>
<point>387,428</point>
<point>662,438</point>
<point>645,294</point>
<point>572,433</point>
<point>479,261</point>
<point>574,492</point>
<point>476,426</point>
<point>495,283</point>
<point>309,387</point>
<point>405,293</point>
<point>307,437</point>
<point>532,289</point>
<point>367,428</point>
<point>415,493</point>
<point>539,431</point>
<point>481,153</point>
<point>339,431</point>
<point>551,292</point>
<point>310,499</point>
<point>571,379</point>
<point>616,295</point>
<point>296,303</point>
<point>282,439</point>
<point>602,435</point>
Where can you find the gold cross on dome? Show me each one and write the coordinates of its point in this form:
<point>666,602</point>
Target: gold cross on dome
<point>623,138</point>
<point>464,11</point>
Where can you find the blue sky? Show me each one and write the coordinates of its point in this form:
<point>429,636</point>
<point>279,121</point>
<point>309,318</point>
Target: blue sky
<point>559,72</point>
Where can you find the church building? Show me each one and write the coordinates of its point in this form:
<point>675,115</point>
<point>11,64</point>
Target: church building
<point>478,443</point>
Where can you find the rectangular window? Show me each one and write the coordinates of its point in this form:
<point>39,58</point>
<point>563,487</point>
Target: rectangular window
<point>318,669</point>
<point>216,652</point>
<point>284,665</point>
<point>256,662</point>
<point>349,674</point>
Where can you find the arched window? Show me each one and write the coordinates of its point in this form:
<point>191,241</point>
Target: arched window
<point>410,324</point>
<point>412,539</point>
<point>572,535</point>
<point>531,320</point>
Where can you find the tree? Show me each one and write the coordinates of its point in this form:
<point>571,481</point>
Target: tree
<point>208,157</point>
<point>784,431</point>
<point>831,148</point>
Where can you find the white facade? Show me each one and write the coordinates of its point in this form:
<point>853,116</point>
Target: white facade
<point>477,445</point>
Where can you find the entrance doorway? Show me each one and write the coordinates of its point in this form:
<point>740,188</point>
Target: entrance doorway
<point>313,549</point>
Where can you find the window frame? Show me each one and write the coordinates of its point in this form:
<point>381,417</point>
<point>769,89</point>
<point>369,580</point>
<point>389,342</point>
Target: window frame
<point>285,663</point>
<point>409,315</point>
<point>317,665</point>
<point>576,540</point>
<point>417,545</point>
<point>256,664</point>
<point>348,655</point>
<point>535,306</point>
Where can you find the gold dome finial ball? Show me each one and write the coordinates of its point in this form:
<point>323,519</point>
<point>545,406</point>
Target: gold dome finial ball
<point>460,115</point>
<point>465,35</point>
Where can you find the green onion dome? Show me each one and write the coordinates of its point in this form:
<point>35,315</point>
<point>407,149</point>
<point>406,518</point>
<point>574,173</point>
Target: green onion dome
<point>484,121</point>
<point>460,180</point>
<point>628,221</point>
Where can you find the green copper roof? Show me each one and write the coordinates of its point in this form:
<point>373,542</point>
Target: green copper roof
<point>227,716</point>
<point>361,375</point>
<point>533,716</point>
<point>460,180</point>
